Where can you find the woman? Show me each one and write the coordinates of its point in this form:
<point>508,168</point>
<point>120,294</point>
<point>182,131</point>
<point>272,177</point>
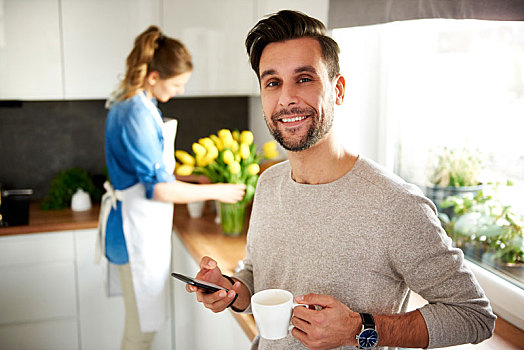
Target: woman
<point>140,162</point>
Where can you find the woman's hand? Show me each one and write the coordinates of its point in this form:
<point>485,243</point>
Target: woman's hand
<point>229,193</point>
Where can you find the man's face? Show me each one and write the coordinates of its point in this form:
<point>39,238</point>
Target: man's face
<point>297,95</point>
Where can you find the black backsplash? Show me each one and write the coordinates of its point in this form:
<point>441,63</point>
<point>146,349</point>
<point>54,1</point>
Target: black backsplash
<point>40,138</point>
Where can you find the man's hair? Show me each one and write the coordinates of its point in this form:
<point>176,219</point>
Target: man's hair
<point>286,25</point>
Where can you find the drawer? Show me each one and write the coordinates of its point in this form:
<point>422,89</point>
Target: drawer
<point>37,248</point>
<point>37,292</point>
<point>52,335</point>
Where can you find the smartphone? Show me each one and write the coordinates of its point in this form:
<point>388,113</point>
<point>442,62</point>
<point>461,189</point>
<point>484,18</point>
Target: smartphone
<point>209,287</point>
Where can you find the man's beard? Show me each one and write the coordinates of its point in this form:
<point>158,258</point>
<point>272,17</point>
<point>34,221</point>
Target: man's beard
<point>319,127</point>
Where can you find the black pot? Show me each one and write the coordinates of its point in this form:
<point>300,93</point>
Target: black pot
<point>14,207</point>
<point>437,194</point>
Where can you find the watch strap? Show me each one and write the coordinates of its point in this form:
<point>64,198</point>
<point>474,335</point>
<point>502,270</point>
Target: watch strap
<point>367,321</point>
<point>236,295</point>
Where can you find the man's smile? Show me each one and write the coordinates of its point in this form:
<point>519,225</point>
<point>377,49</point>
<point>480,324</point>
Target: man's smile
<point>293,119</point>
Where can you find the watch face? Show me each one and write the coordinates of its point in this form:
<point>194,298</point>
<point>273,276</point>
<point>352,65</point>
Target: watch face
<point>368,338</point>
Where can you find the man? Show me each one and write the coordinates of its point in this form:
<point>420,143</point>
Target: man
<point>336,229</point>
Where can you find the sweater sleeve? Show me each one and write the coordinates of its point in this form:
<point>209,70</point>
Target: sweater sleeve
<point>458,311</point>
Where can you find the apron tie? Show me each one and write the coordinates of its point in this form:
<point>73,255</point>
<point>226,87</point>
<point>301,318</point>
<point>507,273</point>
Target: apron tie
<point>108,201</point>
<point>113,195</point>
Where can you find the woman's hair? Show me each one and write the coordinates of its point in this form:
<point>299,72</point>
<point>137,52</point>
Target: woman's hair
<point>286,25</point>
<point>153,51</point>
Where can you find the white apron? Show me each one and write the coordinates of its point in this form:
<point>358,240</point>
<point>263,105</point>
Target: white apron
<point>147,226</point>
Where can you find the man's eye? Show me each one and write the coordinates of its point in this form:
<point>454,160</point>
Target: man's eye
<point>304,80</point>
<point>272,84</point>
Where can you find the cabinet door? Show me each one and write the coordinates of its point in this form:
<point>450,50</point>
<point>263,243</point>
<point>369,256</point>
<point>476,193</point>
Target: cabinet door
<point>30,55</point>
<point>102,317</point>
<point>98,36</point>
<point>38,294</point>
<point>214,32</point>
<point>222,331</point>
<point>52,335</point>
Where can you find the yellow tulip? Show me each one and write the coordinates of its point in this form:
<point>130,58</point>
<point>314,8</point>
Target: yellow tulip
<point>253,169</point>
<point>270,149</point>
<point>244,151</point>
<point>246,137</point>
<point>184,170</point>
<point>201,161</point>
<point>212,153</point>
<point>185,157</point>
<point>226,137</point>
<point>228,157</point>
<point>236,135</point>
<point>234,146</point>
<point>199,150</point>
<point>213,137</point>
<point>206,142</point>
<point>234,168</point>
<point>217,141</point>
<point>271,154</point>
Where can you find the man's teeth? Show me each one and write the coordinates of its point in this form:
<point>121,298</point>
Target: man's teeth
<point>294,119</point>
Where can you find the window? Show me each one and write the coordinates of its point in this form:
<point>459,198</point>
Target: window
<point>414,87</point>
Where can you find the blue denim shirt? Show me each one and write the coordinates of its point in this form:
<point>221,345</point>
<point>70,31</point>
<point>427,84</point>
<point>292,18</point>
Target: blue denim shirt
<point>134,146</point>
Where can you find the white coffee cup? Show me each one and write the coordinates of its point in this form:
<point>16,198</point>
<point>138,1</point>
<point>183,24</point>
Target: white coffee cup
<point>272,309</point>
<point>195,209</point>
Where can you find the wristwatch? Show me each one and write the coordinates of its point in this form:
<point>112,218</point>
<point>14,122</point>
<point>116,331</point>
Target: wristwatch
<point>368,337</point>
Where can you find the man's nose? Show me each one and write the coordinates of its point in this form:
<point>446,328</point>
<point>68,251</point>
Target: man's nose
<point>288,95</point>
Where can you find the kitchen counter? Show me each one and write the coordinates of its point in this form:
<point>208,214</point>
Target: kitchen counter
<point>54,220</point>
<point>203,237</point>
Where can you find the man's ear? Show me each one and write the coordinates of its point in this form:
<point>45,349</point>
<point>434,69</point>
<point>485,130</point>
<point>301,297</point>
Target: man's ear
<point>340,89</point>
<point>152,77</point>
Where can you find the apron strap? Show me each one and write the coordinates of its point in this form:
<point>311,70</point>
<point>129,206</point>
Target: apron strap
<point>109,200</point>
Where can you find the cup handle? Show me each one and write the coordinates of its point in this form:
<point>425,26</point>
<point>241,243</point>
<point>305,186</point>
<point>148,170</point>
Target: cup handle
<point>294,306</point>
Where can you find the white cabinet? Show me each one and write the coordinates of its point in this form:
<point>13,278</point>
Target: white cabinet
<point>214,32</point>
<point>196,327</point>
<point>72,49</point>
<point>101,318</point>
<point>98,35</point>
<point>38,307</point>
<point>53,295</point>
<point>313,8</point>
<point>30,50</point>
<point>76,49</point>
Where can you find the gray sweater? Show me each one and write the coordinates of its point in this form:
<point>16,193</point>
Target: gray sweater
<point>367,239</point>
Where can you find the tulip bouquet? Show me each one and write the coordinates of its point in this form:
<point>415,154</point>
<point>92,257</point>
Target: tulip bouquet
<point>227,157</point>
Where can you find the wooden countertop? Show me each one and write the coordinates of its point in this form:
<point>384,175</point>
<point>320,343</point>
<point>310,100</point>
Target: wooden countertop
<point>54,220</point>
<point>201,237</point>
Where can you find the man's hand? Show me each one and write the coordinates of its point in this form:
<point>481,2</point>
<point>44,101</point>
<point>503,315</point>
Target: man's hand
<point>217,301</point>
<point>332,326</point>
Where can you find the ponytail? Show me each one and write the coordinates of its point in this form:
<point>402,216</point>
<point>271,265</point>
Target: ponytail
<point>152,51</point>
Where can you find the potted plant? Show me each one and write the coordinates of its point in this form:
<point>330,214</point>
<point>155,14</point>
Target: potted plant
<point>454,172</point>
<point>487,229</point>
<point>227,157</point>
<point>65,184</point>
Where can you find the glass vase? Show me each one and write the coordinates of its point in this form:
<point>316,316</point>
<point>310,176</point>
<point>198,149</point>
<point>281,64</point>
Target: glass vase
<point>232,217</point>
